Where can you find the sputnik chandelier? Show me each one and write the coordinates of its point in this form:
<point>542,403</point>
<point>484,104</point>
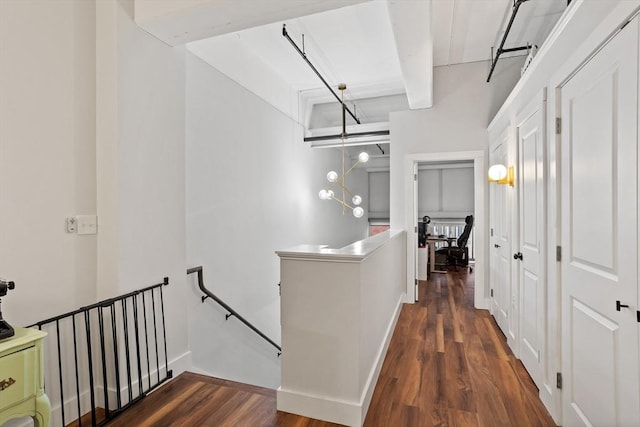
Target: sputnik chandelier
<point>338,182</point>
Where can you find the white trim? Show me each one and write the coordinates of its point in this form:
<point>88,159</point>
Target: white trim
<point>480,215</point>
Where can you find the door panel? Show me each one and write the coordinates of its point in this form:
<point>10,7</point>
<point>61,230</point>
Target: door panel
<point>415,233</point>
<point>531,210</point>
<point>599,107</point>
<point>500,243</point>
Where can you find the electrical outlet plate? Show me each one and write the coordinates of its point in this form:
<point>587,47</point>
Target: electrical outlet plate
<point>72,225</point>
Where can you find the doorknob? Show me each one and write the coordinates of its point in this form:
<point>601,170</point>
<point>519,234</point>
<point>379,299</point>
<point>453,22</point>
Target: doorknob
<point>619,306</point>
<point>518,256</point>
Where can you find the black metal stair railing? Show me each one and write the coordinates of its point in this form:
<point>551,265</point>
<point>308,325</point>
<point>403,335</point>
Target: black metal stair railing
<point>231,312</point>
<point>102,358</point>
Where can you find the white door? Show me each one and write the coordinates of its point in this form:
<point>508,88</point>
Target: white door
<point>500,242</point>
<point>531,208</point>
<point>415,225</point>
<point>599,204</point>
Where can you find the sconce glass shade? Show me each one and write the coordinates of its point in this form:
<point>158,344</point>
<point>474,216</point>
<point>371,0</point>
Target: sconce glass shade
<point>363,157</point>
<point>332,176</point>
<point>323,194</point>
<point>500,174</point>
<point>356,200</point>
<point>497,172</point>
<point>329,194</point>
<point>358,212</point>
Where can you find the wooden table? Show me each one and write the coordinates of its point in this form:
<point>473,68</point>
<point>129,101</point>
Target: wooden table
<point>431,241</point>
<point>22,378</point>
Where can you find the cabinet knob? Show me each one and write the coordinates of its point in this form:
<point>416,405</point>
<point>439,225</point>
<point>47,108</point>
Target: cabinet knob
<point>518,255</point>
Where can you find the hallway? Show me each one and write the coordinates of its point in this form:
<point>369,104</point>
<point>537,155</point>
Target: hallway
<point>447,365</point>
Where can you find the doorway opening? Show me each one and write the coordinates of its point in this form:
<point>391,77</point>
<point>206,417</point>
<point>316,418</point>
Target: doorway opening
<point>474,160</point>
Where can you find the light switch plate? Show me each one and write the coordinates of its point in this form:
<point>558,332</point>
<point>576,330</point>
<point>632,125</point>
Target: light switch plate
<point>87,224</point>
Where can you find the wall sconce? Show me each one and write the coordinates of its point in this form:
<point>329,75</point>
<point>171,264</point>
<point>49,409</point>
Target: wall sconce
<point>501,175</point>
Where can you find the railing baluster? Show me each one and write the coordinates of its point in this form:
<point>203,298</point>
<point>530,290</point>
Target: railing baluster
<point>135,328</point>
<point>116,357</point>
<point>75,361</point>
<point>60,373</point>
<point>87,325</point>
<point>105,381</point>
<point>126,347</point>
<point>164,336</point>
<point>155,332</point>
<point>146,337</point>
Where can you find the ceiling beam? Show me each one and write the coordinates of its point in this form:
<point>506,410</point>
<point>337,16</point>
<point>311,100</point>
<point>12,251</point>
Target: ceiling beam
<point>411,23</point>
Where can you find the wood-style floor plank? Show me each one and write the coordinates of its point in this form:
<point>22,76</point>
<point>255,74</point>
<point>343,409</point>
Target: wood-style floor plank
<point>448,364</point>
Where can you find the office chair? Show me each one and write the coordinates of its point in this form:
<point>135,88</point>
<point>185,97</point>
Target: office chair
<point>459,254</point>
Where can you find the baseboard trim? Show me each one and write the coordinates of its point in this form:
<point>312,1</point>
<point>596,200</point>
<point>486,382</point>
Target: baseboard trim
<point>181,363</point>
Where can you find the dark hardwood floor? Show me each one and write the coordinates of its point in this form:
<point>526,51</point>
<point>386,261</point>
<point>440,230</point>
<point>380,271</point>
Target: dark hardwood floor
<point>447,365</point>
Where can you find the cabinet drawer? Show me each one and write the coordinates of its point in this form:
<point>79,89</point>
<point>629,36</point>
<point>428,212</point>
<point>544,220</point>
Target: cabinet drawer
<point>20,370</point>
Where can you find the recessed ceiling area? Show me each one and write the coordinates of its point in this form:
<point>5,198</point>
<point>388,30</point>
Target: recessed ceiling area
<point>368,110</point>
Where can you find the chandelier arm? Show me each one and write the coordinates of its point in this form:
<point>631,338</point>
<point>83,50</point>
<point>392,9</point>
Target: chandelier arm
<point>350,193</point>
<point>343,203</point>
<point>352,167</point>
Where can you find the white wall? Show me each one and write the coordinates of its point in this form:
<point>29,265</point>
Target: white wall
<point>151,172</point>
<point>463,105</point>
<point>91,121</point>
<point>140,172</point>
<point>47,156</point>
<point>252,188</point>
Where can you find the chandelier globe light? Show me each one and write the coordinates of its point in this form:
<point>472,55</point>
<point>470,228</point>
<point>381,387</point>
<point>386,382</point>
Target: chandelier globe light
<point>338,181</point>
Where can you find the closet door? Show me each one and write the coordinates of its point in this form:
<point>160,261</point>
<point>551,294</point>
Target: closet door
<point>500,244</point>
<point>530,267</point>
<point>599,205</point>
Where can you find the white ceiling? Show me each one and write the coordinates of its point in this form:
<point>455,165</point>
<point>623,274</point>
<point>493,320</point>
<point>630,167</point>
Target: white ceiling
<point>377,47</point>
<point>351,45</point>
<point>465,30</point>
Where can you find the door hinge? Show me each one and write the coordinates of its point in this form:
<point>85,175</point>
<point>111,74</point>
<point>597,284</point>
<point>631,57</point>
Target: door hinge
<point>559,380</point>
<point>415,176</point>
<point>558,125</point>
<point>491,293</point>
<point>492,232</point>
<point>558,253</point>
<point>638,315</point>
<point>415,229</point>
